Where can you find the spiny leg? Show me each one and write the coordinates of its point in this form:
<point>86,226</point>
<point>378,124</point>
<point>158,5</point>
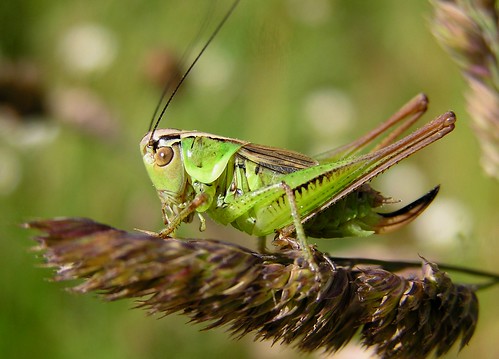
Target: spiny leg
<point>404,117</point>
<point>199,200</point>
<point>300,232</point>
<point>384,158</point>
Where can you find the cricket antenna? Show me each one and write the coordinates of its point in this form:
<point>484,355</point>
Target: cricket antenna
<point>184,76</point>
<point>171,80</point>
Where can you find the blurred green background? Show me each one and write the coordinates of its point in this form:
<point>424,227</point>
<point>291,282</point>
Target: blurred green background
<point>307,76</point>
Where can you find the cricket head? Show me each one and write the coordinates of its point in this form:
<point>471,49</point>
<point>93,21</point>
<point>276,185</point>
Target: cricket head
<point>162,155</point>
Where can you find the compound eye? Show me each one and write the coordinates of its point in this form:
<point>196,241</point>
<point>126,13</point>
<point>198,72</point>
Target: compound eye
<point>163,156</point>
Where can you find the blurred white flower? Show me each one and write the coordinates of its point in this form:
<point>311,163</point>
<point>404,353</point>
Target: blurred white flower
<point>28,134</point>
<point>311,12</point>
<point>85,110</point>
<point>331,115</point>
<point>214,72</point>
<point>88,47</point>
<point>404,182</point>
<point>444,222</point>
<point>10,172</point>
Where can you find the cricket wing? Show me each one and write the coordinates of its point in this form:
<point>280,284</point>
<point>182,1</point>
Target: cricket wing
<point>276,159</point>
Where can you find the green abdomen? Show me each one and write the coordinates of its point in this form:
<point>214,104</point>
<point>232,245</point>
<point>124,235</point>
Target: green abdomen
<point>350,216</point>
